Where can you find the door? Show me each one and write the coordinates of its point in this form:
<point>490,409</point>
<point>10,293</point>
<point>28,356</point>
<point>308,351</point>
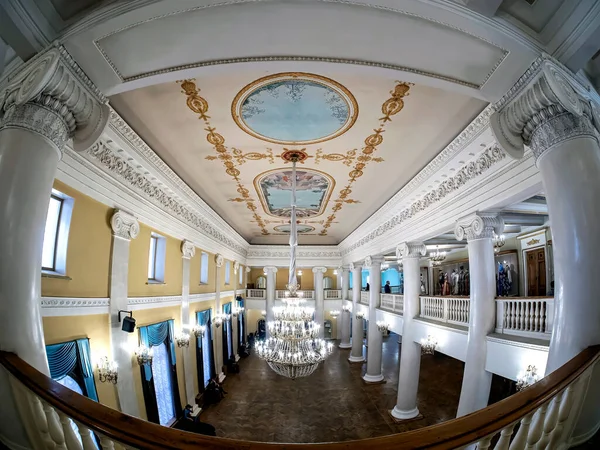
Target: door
<point>536,273</point>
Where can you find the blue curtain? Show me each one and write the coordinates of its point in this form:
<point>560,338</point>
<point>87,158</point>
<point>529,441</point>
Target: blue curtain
<point>83,346</point>
<point>63,358</point>
<point>203,317</point>
<point>153,335</point>
<point>227,308</point>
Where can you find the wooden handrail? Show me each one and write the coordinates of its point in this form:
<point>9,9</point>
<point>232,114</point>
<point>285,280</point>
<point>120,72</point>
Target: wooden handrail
<point>445,436</point>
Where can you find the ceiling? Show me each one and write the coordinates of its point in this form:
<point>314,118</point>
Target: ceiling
<point>362,138</point>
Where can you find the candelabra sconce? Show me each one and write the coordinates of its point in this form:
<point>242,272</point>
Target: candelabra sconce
<point>334,314</point>
<point>383,327</point>
<point>263,313</point>
<point>360,315</point>
<point>347,308</point>
<point>144,355</point>
<point>107,371</point>
<point>498,241</point>
<point>199,331</point>
<point>182,340</point>
<point>527,378</point>
<point>428,346</point>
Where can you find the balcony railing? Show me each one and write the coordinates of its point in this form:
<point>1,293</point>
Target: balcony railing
<point>529,317</point>
<point>393,303</point>
<point>364,297</point>
<point>543,415</point>
<point>259,294</point>
<point>446,309</point>
<point>333,294</point>
<point>281,294</point>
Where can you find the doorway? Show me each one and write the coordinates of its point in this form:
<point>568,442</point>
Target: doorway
<point>536,272</point>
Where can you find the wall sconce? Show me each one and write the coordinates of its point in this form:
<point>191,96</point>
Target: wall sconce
<point>237,311</point>
<point>144,355</point>
<point>527,378</point>
<point>128,322</point>
<point>182,340</point>
<point>347,308</point>
<point>383,327</point>
<point>334,314</point>
<point>199,331</point>
<point>428,346</point>
<point>360,315</point>
<point>299,273</point>
<point>335,272</point>
<point>263,313</point>
<point>220,318</point>
<point>107,370</point>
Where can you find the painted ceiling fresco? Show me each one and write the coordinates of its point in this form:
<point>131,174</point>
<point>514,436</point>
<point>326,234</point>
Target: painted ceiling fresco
<point>313,191</point>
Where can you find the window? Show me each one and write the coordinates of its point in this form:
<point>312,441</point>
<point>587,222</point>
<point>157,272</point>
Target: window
<point>56,233</point>
<point>227,272</point>
<point>156,259</point>
<point>161,371</point>
<point>204,268</point>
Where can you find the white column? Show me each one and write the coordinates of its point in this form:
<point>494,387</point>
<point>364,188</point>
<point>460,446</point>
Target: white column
<point>559,120</point>
<point>124,228</point>
<point>188,250</point>
<point>46,103</point>
<point>319,299</point>
<point>479,229</point>
<point>345,321</point>
<point>410,352</point>
<point>217,331</point>
<point>375,347</point>
<point>356,354</point>
<point>234,320</point>
<point>248,270</point>
<point>271,272</point>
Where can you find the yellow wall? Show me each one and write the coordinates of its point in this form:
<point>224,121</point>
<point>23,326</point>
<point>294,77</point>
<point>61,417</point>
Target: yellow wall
<point>333,277</point>
<point>148,317</point>
<point>96,329</point>
<point>139,249</point>
<point>195,286</point>
<point>252,318</point>
<point>88,251</point>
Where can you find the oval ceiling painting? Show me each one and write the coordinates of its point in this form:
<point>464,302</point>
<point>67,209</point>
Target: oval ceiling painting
<point>294,108</point>
<point>313,189</point>
<point>300,228</point>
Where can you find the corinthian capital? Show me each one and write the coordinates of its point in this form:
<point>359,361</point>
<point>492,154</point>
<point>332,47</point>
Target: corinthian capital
<point>545,107</point>
<point>188,249</point>
<point>479,226</point>
<point>373,261</point>
<point>52,96</point>
<point>410,250</point>
<point>124,225</point>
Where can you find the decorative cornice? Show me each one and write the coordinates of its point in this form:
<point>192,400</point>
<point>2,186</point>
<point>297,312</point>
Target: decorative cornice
<point>468,172</point>
<point>63,302</point>
<point>53,80</point>
<point>537,103</point>
<point>102,156</point>
<point>124,225</point>
<point>219,260</point>
<point>276,253</point>
<point>319,269</point>
<point>410,250</point>
<point>479,226</point>
<point>188,249</point>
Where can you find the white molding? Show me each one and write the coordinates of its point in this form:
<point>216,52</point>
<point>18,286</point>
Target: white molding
<point>518,343</point>
<point>306,256</point>
<point>137,303</point>
<point>71,306</point>
<point>195,298</point>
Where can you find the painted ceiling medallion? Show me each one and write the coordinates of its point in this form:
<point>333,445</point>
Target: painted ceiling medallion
<point>294,155</point>
<point>294,108</point>
<point>300,228</point>
<point>313,191</point>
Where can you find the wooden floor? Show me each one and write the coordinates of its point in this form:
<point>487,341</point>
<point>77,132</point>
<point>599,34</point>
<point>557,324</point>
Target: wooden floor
<point>333,404</point>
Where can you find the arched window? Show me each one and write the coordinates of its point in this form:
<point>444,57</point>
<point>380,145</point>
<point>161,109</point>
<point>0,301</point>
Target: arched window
<point>161,371</point>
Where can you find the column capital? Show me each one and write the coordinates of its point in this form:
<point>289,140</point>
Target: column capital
<point>546,106</point>
<point>124,225</point>
<point>248,269</point>
<point>410,250</point>
<point>219,260</point>
<point>51,95</point>
<point>347,268</point>
<point>355,266</point>
<point>236,267</point>
<point>319,269</point>
<point>270,269</point>
<point>478,226</point>
<point>188,249</point>
<point>373,261</point>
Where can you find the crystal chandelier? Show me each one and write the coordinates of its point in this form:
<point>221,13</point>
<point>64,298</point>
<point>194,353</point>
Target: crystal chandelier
<point>428,346</point>
<point>498,241</point>
<point>527,378</point>
<point>107,371</point>
<point>293,348</point>
<point>437,257</point>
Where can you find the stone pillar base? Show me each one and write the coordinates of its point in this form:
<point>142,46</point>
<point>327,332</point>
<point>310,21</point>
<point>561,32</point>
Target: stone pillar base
<point>345,345</point>
<point>221,377</point>
<point>401,416</point>
<point>356,359</point>
<point>374,379</point>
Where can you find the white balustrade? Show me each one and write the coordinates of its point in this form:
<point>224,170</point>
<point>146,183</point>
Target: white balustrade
<point>259,294</point>
<point>446,309</point>
<point>530,317</point>
<point>364,297</point>
<point>333,294</point>
<point>392,302</point>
